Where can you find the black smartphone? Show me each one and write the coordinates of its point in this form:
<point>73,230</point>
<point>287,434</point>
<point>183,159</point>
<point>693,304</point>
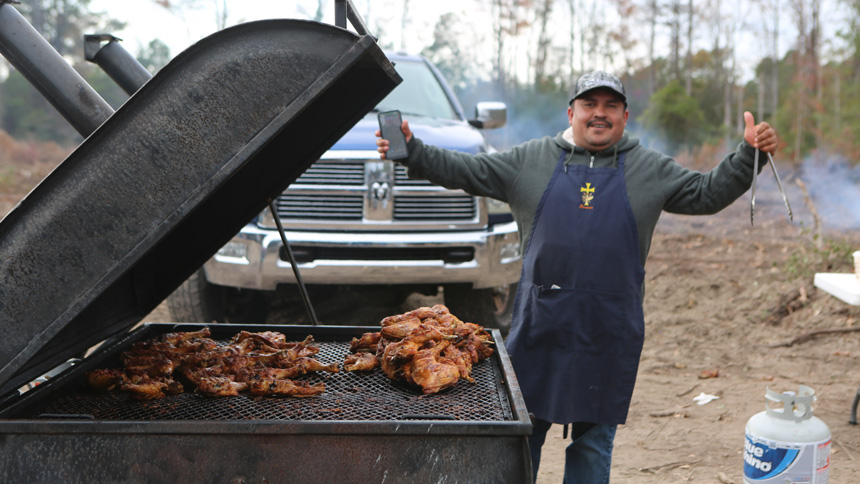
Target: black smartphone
<point>389,125</point>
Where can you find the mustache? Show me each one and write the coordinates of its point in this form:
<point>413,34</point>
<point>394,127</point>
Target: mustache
<point>599,121</point>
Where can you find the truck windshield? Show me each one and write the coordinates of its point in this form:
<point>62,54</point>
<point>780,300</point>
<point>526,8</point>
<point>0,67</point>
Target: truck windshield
<point>419,94</point>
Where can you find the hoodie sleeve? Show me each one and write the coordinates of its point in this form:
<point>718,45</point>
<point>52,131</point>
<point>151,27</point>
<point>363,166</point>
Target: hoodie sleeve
<point>483,174</point>
<point>695,193</point>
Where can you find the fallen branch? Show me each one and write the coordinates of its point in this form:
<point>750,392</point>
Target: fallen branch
<point>788,303</point>
<point>669,413</point>
<point>663,467</point>
<point>687,391</point>
<point>812,334</point>
<point>817,227</point>
<point>844,448</point>
<point>724,479</point>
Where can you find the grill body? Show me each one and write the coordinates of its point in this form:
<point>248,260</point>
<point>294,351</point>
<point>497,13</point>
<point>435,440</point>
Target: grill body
<point>363,428</point>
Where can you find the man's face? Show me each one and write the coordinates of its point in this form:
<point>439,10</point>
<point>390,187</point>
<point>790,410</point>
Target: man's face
<point>598,119</point>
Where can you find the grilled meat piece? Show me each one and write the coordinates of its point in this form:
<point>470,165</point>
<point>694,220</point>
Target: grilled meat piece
<point>176,338</point>
<point>462,360</point>
<point>154,365</point>
<point>420,313</point>
<point>213,370</point>
<point>428,347</point>
<point>105,379</point>
<point>285,387</point>
<point>432,373</point>
<point>360,362</point>
<point>142,387</point>
<point>400,329</point>
<point>258,341</point>
<point>367,342</point>
<point>220,386</point>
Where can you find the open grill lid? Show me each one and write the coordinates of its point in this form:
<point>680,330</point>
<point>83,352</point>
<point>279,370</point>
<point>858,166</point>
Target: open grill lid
<point>167,180</point>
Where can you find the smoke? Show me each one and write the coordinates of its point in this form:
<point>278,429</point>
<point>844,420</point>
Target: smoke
<point>834,186</point>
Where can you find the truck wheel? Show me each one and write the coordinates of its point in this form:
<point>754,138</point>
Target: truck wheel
<point>198,300</point>
<point>491,307</point>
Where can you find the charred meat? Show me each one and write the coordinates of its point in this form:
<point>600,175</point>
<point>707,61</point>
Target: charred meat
<point>428,347</point>
<point>213,370</point>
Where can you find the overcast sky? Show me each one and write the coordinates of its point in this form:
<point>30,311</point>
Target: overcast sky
<point>147,20</point>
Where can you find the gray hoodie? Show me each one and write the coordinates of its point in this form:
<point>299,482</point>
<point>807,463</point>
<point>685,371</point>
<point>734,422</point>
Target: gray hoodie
<point>520,175</point>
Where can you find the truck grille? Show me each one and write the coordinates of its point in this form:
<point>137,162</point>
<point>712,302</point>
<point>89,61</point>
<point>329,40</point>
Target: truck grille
<point>326,172</point>
<point>320,207</point>
<point>403,180</point>
<point>433,207</point>
<point>339,191</point>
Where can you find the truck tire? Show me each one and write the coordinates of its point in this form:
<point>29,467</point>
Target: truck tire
<point>491,308</point>
<point>198,300</point>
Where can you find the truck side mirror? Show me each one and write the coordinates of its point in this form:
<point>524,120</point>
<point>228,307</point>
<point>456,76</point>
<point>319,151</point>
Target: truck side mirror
<point>490,115</point>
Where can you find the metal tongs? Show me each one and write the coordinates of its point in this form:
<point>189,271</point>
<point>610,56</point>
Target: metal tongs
<point>778,182</point>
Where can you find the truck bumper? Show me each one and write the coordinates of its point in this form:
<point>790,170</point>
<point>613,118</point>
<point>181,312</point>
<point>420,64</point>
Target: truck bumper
<point>254,258</point>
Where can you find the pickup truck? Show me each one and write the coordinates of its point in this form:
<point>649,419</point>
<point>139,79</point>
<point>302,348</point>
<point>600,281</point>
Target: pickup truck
<point>359,224</point>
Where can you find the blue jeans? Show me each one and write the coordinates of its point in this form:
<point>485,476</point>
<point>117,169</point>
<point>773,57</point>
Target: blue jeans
<point>588,458</point>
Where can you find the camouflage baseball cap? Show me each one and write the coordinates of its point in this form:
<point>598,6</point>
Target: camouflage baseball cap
<point>595,80</point>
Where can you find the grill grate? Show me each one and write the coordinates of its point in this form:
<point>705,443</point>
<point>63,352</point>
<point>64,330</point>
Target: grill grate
<point>348,396</point>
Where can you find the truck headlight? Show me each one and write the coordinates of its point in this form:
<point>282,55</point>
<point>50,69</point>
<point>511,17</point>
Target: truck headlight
<point>509,250</point>
<point>233,252</point>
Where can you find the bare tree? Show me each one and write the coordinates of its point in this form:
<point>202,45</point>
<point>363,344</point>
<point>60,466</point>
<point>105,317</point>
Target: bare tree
<point>404,23</point>
<point>674,24</point>
<point>807,14</point>
<point>622,34</point>
<point>320,11</point>
<point>543,12</point>
<point>688,64</point>
<point>571,4</point>
<point>509,20</point>
<point>652,11</point>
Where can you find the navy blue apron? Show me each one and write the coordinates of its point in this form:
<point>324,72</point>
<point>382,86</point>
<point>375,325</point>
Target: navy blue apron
<point>578,325</point>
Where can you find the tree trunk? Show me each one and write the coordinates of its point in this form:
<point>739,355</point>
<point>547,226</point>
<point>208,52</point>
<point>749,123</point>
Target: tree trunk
<point>675,26</point>
<point>774,75</point>
<point>653,10</point>
<point>543,42</point>
<point>404,24</point>
<point>572,38</point>
<point>688,74</point>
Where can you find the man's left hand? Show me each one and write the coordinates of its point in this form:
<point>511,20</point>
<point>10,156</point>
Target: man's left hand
<point>761,136</point>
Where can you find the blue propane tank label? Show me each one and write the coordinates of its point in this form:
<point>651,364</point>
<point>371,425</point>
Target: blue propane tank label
<point>769,461</point>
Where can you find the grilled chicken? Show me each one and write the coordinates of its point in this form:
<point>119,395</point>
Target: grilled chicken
<point>212,369</point>
<point>432,373</point>
<point>105,379</point>
<point>428,347</point>
<point>220,386</point>
<point>285,387</point>
<point>367,342</point>
<point>361,362</point>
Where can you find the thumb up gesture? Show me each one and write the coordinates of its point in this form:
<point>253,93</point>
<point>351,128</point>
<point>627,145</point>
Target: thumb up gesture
<point>761,136</point>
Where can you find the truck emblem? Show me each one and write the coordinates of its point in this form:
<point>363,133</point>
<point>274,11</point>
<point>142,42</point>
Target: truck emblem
<point>380,190</point>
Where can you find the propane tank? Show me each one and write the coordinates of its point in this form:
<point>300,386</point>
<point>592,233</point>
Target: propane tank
<point>786,443</point>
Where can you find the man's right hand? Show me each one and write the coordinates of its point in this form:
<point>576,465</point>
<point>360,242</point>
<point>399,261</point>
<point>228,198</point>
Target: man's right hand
<point>382,144</point>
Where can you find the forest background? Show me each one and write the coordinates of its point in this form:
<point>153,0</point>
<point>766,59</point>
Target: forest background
<point>691,68</point>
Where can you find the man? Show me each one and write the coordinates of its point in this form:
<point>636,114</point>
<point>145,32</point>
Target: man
<point>586,202</point>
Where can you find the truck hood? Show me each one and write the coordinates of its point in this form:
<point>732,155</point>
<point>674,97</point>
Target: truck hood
<point>446,133</point>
